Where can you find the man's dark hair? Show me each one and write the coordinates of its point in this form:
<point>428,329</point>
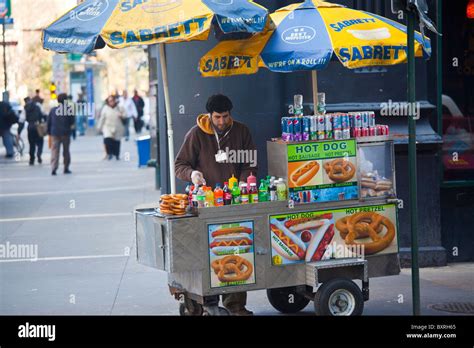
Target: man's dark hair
<point>62,98</point>
<point>219,103</point>
<point>37,91</point>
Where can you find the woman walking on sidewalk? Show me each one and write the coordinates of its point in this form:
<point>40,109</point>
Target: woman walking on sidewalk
<point>111,124</point>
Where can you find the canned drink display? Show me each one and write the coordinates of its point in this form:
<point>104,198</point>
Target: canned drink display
<point>338,134</point>
<point>297,129</point>
<point>346,133</point>
<point>306,128</point>
<point>365,119</point>
<point>371,119</point>
<point>364,132</point>
<point>372,131</point>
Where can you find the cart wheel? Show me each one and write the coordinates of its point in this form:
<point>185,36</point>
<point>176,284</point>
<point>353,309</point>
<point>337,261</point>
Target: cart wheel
<point>190,308</point>
<point>339,297</point>
<point>287,300</point>
<point>215,311</point>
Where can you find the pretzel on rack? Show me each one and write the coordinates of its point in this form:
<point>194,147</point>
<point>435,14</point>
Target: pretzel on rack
<point>340,170</point>
<point>232,268</point>
<point>367,224</point>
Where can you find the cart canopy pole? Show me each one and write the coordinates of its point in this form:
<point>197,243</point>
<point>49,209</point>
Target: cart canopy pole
<point>412,163</point>
<point>314,78</point>
<point>169,120</point>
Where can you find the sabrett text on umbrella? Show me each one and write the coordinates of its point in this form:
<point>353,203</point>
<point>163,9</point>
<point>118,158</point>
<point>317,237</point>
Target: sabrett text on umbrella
<point>172,30</point>
<point>371,52</point>
<point>344,24</point>
<point>227,63</point>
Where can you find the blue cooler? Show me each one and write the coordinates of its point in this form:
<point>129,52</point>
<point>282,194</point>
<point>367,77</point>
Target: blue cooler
<point>144,151</point>
<point>90,122</point>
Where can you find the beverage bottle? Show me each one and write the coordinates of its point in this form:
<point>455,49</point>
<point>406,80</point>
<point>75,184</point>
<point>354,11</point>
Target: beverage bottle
<point>251,179</point>
<point>253,193</point>
<point>263,191</point>
<point>209,197</point>
<point>233,180</point>
<point>273,190</point>
<point>201,198</point>
<point>281,190</point>
<point>244,194</point>
<point>235,194</point>
<point>190,194</point>
<point>194,196</point>
<point>218,196</point>
<point>227,194</point>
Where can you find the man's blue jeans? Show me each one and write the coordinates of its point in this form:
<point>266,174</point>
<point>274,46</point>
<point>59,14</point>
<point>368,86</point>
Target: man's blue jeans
<point>7,141</point>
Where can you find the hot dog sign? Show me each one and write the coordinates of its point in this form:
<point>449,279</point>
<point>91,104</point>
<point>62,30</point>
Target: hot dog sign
<point>231,254</point>
<point>342,233</point>
<point>322,171</point>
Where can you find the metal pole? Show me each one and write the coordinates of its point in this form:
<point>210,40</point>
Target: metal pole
<point>4,44</point>
<point>314,81</point>
<point>415,276</point>
<point>169,120</point>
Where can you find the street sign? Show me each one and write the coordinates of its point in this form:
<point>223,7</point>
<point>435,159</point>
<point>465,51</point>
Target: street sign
<point>5,8</point>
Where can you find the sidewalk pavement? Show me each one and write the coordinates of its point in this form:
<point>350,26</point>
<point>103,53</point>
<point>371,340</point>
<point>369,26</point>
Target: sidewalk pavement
<point>83,227</point>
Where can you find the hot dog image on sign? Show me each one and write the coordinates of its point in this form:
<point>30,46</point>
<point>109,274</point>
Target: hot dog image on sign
<point>231,254</point>
<point>343,233</point>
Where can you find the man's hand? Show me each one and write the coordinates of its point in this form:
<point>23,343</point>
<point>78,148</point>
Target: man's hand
<point>197,178</point>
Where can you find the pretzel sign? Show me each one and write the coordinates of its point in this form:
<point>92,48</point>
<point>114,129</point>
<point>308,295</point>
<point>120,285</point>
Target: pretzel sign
<point>232,268</point>
<point>367,224</point>
<point>340,170</point>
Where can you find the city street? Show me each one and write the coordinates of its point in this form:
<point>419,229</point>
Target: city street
<point>82,225</point>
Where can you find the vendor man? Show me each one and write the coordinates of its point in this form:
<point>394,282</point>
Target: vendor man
<point>206,158</point>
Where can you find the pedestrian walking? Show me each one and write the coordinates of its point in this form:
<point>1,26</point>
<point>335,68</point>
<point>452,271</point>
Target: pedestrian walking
<point>111,124</point>
<point>60,125</point>
<point>7,119</point>
<point>128,105</point>
<point>36,120</point>
<point>140,106</point>
<point>37,98</point>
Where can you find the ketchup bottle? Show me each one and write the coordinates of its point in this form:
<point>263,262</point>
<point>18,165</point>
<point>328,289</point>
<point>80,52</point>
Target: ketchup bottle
<point>227,194</point>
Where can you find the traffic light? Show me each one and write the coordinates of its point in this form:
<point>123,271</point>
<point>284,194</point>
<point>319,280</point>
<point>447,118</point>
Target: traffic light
<point>52,89</point>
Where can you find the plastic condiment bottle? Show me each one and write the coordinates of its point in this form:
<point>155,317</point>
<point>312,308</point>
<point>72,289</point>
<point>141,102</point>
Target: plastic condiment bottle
<point>218,196</point>
<point>235,194</point>
<point>251,179</point>
<point>233,180</point>
<point>281,190</point>
<point>253,193</point>
<point>209,197</point>
<point>201,198</point>
<point>263,191</point>
<point>227,194</point>
<point>244,194</point>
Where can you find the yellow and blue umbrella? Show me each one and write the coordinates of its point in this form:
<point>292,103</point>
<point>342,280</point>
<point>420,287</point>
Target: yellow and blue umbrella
<point>307,35</point>
<point>122,23</point>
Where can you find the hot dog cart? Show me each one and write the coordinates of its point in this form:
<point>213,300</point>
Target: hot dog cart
<point>331,230</point>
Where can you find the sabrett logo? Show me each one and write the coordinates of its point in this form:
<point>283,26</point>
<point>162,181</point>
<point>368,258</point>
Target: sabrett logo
<point>227,63</point>
<point>172,30</point>
<point>337,27</point>
<point>371,52</point>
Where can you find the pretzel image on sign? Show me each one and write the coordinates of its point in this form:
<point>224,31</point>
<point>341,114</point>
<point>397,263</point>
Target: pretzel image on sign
<point>232,268</point>
<point>340,170</point>
<point>367,224</point>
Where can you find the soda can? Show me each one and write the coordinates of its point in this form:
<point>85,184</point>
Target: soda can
<point>365,119</point>
<point>364,132</point>
<point>306,128</point>
<point>371,119</point>
<point>321,135</point>
<point>356,132</point>
<point>351,119</point>
<point>358,120</point>
<point>385,130</point>
<point>336,122</point>
<point>337,134</point>
<point>372,131</point>
<point>321,124</point>
<point>328,123</point>
<point>297,129</point>
<point>345,121</point>
<point>285,133</point>
<point>313,128</point>
<point>346,133</point>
